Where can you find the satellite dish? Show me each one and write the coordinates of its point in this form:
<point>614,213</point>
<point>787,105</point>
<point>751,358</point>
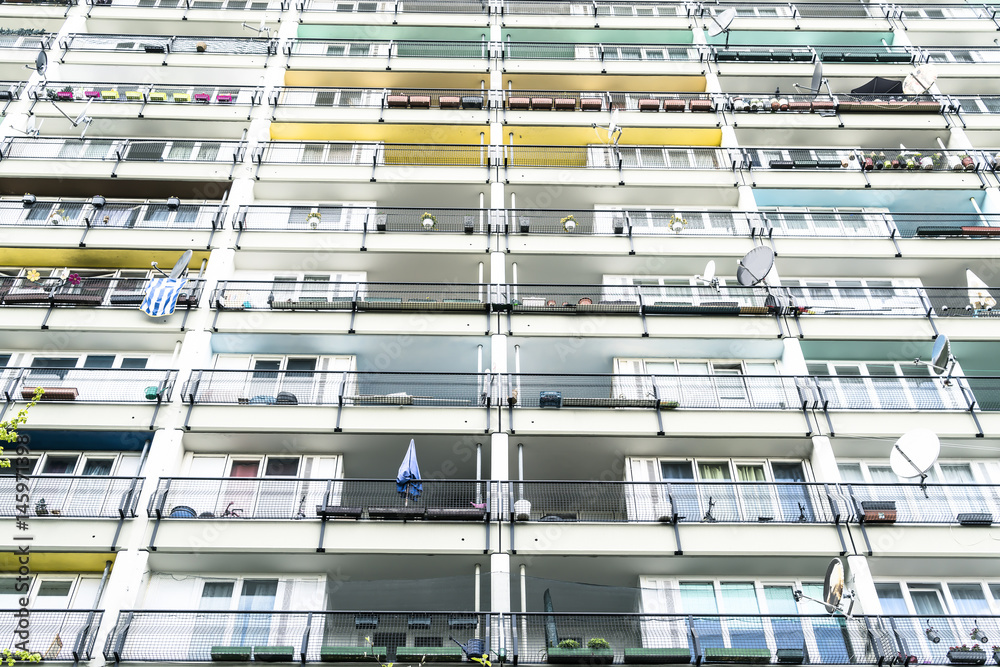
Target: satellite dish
<point>833,585</point>
<point>914,453</point>
<point>41,62</point>
<point>940,355</point>
<point>755,266</point>
<point>182,264</point>
<point>817,78</point>
<point>709,274</point>
<point>920,80</point>
<point>721,23</point>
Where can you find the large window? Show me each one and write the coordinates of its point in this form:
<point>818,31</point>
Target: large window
<point>696,383</point>
<point>884,386</point>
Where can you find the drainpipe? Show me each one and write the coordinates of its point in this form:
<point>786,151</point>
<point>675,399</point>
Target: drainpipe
<point>524,606</point>
<point>479,478</point>
<point>520,473</point>
<point>104,580</point>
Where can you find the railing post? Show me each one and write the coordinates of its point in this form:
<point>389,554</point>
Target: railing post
<point>305,637</point>
<point>695,641</point>
<point>340,402</point>
<point>119,641</point>
<point>675,519</point>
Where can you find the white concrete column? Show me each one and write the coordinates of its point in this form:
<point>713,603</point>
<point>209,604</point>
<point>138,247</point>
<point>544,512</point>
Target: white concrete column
<point>859,579</point>
<point>823,461</point>
<point>793,361</point>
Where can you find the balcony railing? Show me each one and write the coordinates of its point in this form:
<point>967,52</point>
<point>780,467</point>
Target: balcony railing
<point>89,293</point>
<point>287,498</point>
<point>122,150</point>
<point>971,504</point>
<point>300,295</point>
<point>684,53</point>
<point>401,7</point>
<point>396,98</point>
<point>388,49</point>
<point>202,636</point>
<point>56,635</point>
<point>867,159</point>
<point>359,219</point>
<point>929,638</point>
<point>850,54</point>
<point>112,215</point>
<point>832,104</point>
<point>975,104</point>
<point>232,5</point>
<point>73,497</point>
<point>694,638</point>
<point>88,385</point>
<point>138,93</point>
<point>953,56</point>
<point>33,42</point>
<point>347,153</point>
<point>165,44</point>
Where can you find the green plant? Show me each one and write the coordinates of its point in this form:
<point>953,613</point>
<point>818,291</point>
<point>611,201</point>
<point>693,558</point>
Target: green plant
<point>19,655</point>
<point>569,643</point>
<point>568,223</point>
<point>428,220</point>
<point>8,429</point>
<point>598,642</point>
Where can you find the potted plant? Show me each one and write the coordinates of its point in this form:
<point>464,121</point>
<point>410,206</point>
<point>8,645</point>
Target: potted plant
<point>56,218</point>
<point>568,223</point>
<point>677,224</point>
<point>597,652</point>
<point>899,161</point>
<point>884,162</point>
<point>966,655</point>
<point>428,220</point>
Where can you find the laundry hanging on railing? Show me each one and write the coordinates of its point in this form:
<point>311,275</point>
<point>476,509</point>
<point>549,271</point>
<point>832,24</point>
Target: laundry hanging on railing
<point>161,296</point>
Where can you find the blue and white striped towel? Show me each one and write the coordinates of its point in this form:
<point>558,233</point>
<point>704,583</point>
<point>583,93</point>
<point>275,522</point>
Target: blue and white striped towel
<point>161,296</point>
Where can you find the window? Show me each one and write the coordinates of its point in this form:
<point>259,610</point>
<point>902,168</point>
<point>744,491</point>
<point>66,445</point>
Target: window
<point>705,384</point>
<point>884,386</point>
<point>897,297</point>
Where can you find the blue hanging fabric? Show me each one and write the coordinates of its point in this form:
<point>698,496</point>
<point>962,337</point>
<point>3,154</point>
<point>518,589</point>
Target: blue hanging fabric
<point>161,296</point>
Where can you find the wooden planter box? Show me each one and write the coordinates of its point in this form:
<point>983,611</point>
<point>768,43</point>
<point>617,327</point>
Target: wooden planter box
<point>231,653</point>
<point>649,105</point>
<point>580,656</point>
<point>591,103</point>
<point>352,654</point>
<point>967,657</point>
<point>878,511</point>
<point>428,654</point>
<point>657,656</point>
<point>273,653</point>
<point>449,102</point>
<point>741,655</point>
<point>52,393</point>
<point>674,105</point>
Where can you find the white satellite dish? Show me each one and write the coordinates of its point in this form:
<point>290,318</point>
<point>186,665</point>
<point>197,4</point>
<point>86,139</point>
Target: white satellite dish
<point>817,81</point>
<point>721,22</point>
<point>708,278</point>
<point>180,267</point>
<point>941,355</point>
<point>81,118</point>
<point>920,80</point>
<point>914,453</point>
<point>755,266</point>
<point>833,585</point>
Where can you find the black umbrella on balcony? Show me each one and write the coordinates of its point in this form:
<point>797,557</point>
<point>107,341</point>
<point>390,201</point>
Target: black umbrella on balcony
<point>880,86</point>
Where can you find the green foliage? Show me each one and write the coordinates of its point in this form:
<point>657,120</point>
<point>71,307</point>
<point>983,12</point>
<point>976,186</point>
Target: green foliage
<point>598,642</point>
<point>569,643</point>
<point>10,657</point>
<point>8,429</point>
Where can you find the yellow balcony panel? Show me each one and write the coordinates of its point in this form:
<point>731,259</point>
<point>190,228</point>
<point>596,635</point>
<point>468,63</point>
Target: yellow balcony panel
<point>619,82</point>
<point>645,136</point>
<point>352,79</point>
<point>96,258</point>
<point>384,132</point>
<point>549,156</point>
<point>58,561</point>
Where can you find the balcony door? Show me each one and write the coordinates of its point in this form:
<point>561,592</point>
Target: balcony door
<point>257,595</point>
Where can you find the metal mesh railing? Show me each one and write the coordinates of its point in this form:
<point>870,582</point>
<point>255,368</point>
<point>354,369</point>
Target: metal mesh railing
<point>858,54</point>
<point>53,634</point>
<point>868,159</point>
<point>166,44</point>
<point>637,221</point>
<point>359,218</point>
<point>617,157</point>
<point>728,392</point>
<point>401,7</point>
<point>68,496</point>
<point>892,392</point>
<point>923,503</point>
<point>337,387</point>
<point>638,502</point>
<point>953,56</point>
<point>127,150</point>
<point>697,638</point>
<point>117,214</point>
<point>131,93</point>
<point>380,48</point>
<point>233,5</point>
<point>586,100</point>
<point>184,636</point>
<point>88,385</point>
<point>683,53</point>
<point>43,41</point>
<point>939,640</point>
<point>277,498</point>
<point>769,102</point>
<point>809,10</point>
<point>416,98</point>
<point>87,293</point>
<point>309,295</point>
<point>975,104</point>
<point>638,8</point>
<point>347,153</point>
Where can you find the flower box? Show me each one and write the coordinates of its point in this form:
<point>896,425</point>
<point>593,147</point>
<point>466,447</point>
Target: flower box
<point>657,656</point>
<point>204,98</point>
<point>133,95</point>
<point>273,653</point>
<point>157,97</point>
<point>224,98</point>
<point>65,95</point>
<point>231,653</point>
<point>565,104</point>
<point>420,101</point>
<point>92,94</point>
<point>397,101</point>
<point>649,105</point>
<point>109,94</point>
<point>959,657</point>
<point>591,103</point>
<point>543,103</point>
<point>674,105</point>
<point>518,103</point>
<point>450,102</point>
<point>428,654</point>
<point>182,97</point>
<point>580,656</point>
<point>52,393</point>
<point>352,654</point>
<point>742,655</point>
<point>701,105</point>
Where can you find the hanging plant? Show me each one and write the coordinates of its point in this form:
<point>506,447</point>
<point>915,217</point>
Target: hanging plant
<point>568,223</point>
<point>314,219</point>
<point>677,224</point>
<point>428,220</point>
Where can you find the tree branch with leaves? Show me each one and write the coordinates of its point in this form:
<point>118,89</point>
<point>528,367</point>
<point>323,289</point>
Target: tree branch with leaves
<point>17,655</point>
<point>8,429</point>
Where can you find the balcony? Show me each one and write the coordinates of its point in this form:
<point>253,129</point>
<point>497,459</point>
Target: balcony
<point>9,91</point>
<point>831,112</point>
<point>56,635</point>
<point>46,300</point>
<point>230,106</point>
<point>89,397</point>
<point>35,221</point>
<point>700,638</point>
<point>408,12</point>
<point>317,636</point>
<point>368,54</point>
<point>16,51</point>
<point>581,58</point>
<point>325,105</point>
<point>928,639</point>
<point>177,51</point>
<point>208,17</point>
<point>840,60</point>
<point>140,159</point>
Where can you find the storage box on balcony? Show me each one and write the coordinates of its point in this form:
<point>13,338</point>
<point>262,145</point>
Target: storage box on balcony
<point>352,653</point>
<point>879,511</point>
<point>791,656</point>
<point>579,656</point>
<point>543,103</point>
<point>231,653</point>
<point>420,101</point>
<point>738,655</point>
<point>518,103</point>
<point>657,656</point>
<point>273,653</point>
<point>449,102</point>
<point>472,102</point>
<point>591,103</point>
<point>565,104</point>
<point>428,654</point>
<point>701,105</point>
<point>649,105</point>
<point>674,105</point>
<point>397,101</point>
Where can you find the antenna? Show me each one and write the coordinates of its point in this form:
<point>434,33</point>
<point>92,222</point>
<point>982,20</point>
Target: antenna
<point>817,81</point>
<point>833,590</point>
<point>721,24</point>
<point>709,277</point>
<point>755,265</point>
<point>179,268</point>
<point>31,129</point>
<point>914,454</point>
<point>82,118</point>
